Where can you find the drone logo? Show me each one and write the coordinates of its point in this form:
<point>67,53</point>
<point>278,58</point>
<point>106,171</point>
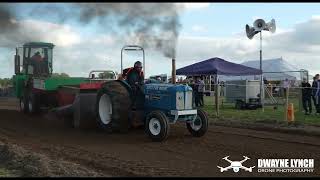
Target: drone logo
<point>236,165</point>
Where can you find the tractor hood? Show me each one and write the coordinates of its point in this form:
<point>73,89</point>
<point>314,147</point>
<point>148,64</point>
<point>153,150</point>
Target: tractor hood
<point>165,88</point>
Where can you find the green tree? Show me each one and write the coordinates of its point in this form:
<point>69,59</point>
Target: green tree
<point>5,82</point>
<point>63,75</point>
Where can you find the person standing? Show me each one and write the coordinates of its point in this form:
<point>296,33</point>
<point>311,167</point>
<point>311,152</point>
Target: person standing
<point>314,86</point>
<point>316,93</point>
<point>265,81</point>
<point>191,83</point>
<point>286,86</point>
<point>306,96</point>
<point>200,90</point>
<point>196,92</point>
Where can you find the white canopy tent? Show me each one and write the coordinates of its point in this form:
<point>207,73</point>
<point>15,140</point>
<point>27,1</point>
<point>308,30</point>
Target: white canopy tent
<point>273,69</point>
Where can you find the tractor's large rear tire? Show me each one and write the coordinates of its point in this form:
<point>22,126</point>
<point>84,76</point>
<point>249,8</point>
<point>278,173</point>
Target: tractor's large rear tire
<point>113,107</point>
<point>157,126</point>
<point>199,127</point>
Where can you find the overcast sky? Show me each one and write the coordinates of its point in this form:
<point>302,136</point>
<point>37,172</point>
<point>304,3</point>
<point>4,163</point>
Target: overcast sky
<point>206,30</point>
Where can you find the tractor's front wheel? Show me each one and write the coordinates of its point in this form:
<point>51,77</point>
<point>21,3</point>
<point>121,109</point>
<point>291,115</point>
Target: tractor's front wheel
<point>157,126</point>
<point>200,125</point>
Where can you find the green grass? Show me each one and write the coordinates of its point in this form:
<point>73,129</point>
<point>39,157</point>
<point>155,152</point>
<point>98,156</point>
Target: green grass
<point>270,115</point>
<point>6,173</point>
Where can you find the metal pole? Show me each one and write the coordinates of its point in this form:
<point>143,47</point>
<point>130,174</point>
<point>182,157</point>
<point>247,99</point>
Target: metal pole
<point>287,103</point>
<point>261,78</point>
<point>217,95</point>
<point>210,84</point>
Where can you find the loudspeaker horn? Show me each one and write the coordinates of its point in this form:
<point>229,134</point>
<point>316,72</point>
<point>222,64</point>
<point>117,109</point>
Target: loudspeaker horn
<point>271,26</point>
<point>250,31</point>
<point>259,24</point>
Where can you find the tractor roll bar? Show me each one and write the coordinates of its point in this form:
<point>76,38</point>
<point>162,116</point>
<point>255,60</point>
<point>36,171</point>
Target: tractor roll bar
<point>133,48</point>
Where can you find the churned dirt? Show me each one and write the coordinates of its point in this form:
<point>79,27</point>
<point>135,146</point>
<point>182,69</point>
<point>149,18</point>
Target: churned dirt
<point>45,146</point>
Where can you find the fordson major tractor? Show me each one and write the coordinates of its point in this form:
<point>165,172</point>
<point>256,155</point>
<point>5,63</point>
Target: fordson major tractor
<point>106,102</point>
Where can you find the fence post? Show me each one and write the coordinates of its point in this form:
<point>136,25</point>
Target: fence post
<point>300,99</point>
<point>287,104</point>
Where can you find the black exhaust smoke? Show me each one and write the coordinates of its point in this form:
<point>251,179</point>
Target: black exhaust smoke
<point>151,25</point>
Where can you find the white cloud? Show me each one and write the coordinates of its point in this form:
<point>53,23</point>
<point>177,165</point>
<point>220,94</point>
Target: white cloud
<point>193,6</point>
<point>255,18</point>
<point>196,5</point>
<point>102,40</point>
<point>61,35</point>
<point>34,30</point>
<point>77,55</point>
<point>315,17</point>
<point>199,28</point>
<point>299,45</point>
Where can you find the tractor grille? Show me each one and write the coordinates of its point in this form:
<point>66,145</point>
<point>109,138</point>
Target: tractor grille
<point>180,100</point>
<point>188,100</point>
<point>184,100</point>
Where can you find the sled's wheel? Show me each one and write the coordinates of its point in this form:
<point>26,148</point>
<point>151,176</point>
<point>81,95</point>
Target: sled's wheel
<point>200,125</point>
<point>157,126</point>
<point>23,105</point>
<point>33,104</point>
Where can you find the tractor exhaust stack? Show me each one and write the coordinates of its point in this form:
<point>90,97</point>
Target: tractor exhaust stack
<point>173,76</point>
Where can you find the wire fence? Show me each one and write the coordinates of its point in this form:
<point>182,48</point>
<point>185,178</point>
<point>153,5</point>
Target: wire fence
<point>240,101</point>
<point>6,92</point>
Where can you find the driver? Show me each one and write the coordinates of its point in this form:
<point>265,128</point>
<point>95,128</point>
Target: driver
<point>37,61</point>
<point>37,57</point>
<point>135,79</point>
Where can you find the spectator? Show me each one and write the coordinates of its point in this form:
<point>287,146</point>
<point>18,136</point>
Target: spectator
<point>200,84</point>
<point>286,85</point>
<point>192,85</point>
<point>222,88</point>
<point>306,96</point>
<point>195,91</point>
<point>316,93</point>
<point>265,81</point>
<point>314,84</point>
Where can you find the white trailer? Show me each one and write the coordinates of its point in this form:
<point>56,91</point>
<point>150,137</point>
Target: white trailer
<point>244,93</point>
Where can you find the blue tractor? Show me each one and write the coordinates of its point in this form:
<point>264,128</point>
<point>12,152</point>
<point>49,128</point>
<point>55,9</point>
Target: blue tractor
<point>160,105</point>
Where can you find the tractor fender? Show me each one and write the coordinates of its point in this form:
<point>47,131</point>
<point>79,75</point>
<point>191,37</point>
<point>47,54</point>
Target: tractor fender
<point>125,84</point>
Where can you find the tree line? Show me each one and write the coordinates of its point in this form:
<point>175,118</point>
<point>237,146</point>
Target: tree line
<point>5,82</point>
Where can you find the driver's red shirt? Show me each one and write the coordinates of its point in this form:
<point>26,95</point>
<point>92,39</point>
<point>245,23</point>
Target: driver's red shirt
<point>37,58</point>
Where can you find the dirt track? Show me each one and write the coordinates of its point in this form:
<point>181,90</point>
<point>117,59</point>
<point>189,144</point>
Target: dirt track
<point>133,154</point>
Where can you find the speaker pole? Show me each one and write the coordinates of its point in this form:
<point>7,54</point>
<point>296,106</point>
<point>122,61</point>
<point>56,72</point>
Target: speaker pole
<point>261,77</point>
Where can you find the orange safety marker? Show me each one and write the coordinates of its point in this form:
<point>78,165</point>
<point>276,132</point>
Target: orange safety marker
<point>290,113</point>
